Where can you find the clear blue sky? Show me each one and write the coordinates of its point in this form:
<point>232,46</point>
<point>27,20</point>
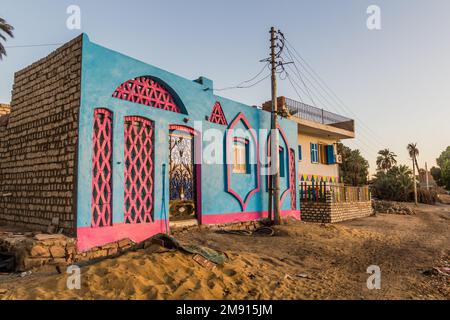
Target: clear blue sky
<point>396,80</point>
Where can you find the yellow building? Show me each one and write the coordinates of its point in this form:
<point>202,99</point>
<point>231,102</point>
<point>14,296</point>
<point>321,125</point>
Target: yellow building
<point>319,131</point>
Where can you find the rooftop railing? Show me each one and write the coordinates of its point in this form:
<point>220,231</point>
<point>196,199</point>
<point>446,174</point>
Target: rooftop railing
<point>303,111</point>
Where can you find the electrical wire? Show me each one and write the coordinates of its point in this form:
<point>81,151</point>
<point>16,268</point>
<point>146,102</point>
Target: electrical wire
<point>340,103</point>
<point>244,87</point>
<point>240,85</point>
<point>34,45</point>
<point>361,144</point>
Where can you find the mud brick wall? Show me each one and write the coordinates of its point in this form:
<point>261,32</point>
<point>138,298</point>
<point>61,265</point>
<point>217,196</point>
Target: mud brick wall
<point>329,212</point>
<point>4,109</point>
<point>38,143</point>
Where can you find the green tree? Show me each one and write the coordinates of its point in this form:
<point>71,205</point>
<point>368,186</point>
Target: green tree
<point>7,29</point>
<point>436,172</point>
<point>354,168</point>
<point>396,184</point>
<point>386,160</point>
<point>444,163</point>
<point>413,152</point>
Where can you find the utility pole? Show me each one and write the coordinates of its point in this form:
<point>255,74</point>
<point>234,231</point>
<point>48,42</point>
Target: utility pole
<point>275,143</point>
<point>415,181</point>
<point>426,176</point>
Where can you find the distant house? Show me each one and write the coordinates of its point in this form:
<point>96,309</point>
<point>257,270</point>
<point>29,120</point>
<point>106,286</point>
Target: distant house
<point>323,195</point>
<point>319,131</point>
<point>424,182</point>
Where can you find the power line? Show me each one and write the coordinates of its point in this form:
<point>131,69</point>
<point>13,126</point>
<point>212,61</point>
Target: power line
<point>361,144</point>
<point>34,45</point>
<point>370,141</point>
<point>244,87</point>
<point>240,85</point>
<point>295,89</point>
<point>368,147</point>
<point>333,94</point>
<point>327,102</point>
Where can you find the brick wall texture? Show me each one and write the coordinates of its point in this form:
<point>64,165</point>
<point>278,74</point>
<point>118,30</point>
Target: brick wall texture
<point>329,212</point>
<point>4,109</point>
<point>38,143</point>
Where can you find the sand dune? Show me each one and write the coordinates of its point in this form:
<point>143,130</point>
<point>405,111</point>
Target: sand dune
<point>303,261</point>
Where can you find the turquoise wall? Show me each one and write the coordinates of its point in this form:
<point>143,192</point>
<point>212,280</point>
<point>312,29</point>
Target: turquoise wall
<point>103,70</point>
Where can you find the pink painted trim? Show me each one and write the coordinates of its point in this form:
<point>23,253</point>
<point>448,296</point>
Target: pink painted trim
<point>197,164</point>
<point>241,140</point>
<point>289,189</point>
<point>243,203</point>
<point>88,238</point>
<point>245,216</point>
<point>180,127</point>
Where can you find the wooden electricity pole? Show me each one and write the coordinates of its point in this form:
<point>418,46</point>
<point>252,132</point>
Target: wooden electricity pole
<point>274,129</point>
<point>415,181</point>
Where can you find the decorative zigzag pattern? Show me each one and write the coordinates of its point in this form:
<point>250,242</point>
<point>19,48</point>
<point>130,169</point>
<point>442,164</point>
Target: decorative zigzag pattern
<point>217,115</point>
<point>144,90</point>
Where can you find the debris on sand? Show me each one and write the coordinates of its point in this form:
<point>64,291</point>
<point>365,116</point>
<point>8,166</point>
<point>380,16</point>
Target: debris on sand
<point>206,253</point>
<point>262,231</point>
<point>392,207</point>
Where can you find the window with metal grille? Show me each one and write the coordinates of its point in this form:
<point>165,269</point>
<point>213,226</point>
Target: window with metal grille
<point>101,213</point>
<point>139,170</point>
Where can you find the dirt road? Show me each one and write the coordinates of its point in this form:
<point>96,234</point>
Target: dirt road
<point>303,261</point>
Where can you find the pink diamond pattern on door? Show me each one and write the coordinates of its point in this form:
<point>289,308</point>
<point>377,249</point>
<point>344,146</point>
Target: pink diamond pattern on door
<point>146,91</point>
<point>138,170</point>
<point>292,180</point>
<point>101,169</point>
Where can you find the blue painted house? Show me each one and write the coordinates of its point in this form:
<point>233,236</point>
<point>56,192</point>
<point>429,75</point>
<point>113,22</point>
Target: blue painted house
<point>154,147</point>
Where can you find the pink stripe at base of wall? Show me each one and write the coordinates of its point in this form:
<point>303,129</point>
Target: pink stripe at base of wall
<point>245,216</point>
<point>88,237</point>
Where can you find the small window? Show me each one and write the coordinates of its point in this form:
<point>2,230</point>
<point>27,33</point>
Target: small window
<point>282,161</point>
<point>314,153</point>
<point>240,156</point>
<point>323,154</point>
<point>300,156</point>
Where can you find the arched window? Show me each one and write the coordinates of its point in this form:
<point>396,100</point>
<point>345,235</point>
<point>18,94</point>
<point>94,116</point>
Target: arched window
<point>149,92</point>
<point>101,213</point>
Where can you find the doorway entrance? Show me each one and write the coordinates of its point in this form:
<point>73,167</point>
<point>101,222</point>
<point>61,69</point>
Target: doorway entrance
<point>182,176</point>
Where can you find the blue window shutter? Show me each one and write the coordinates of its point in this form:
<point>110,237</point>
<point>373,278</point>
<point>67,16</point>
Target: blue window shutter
<point>300,152</point>
<point>312,152</point>
<point>330,154</point>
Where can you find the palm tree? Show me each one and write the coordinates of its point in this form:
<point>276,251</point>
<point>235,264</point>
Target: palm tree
<point>414,153</point>
<point>386,160</point>
<point>4,28</point>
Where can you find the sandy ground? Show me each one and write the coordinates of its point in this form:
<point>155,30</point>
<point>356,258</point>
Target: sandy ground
<point>303,261</point>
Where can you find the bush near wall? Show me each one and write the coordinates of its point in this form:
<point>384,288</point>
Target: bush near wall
<point>396,184</point>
